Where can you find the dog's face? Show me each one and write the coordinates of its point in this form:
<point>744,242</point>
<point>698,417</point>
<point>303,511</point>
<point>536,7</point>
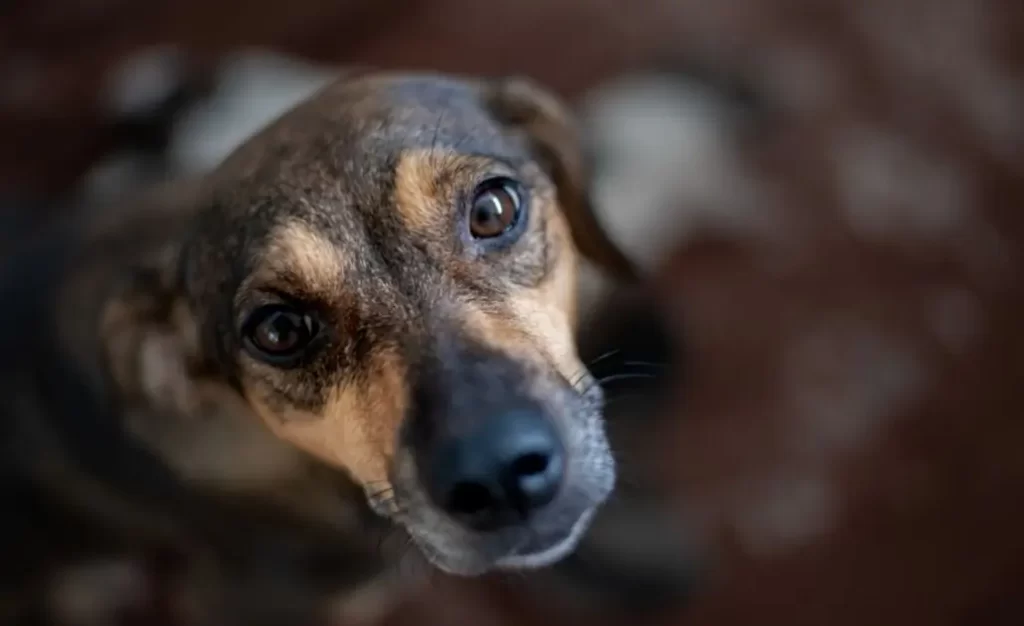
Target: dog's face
<point>387,276</point>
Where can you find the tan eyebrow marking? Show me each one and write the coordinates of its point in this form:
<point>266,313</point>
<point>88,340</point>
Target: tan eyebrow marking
<point>421,177</point>
<point>296,250</point>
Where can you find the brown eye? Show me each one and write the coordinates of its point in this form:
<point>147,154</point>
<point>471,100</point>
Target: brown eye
<point>278,334</point>
<point>496,207</point>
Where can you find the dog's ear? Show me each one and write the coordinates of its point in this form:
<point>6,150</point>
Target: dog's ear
<point>523,106</point>
<point>150,337</point>
<point>176,404</point>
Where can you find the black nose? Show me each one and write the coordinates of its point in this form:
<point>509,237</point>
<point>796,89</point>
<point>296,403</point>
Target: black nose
<point>500,474</point>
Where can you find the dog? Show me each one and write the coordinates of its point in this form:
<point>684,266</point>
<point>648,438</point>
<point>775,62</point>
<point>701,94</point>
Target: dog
<point>362,323</point>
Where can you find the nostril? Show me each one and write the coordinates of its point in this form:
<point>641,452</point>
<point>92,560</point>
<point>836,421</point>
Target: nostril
<point>499,475</point>
<point>530,465</point>
<point>470,499</point>
<point>533,480</point>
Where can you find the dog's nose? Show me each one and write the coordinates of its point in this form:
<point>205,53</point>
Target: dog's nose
<point>501,474</point>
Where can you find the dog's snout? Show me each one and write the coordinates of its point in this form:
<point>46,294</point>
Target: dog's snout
<point>509,468</point>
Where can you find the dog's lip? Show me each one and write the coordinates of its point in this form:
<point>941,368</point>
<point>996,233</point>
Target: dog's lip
<point>537,544</point>
<point>540,551</point>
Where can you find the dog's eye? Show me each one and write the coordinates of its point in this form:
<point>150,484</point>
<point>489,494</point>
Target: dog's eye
<point>496,206</point>
<point>278,333</point>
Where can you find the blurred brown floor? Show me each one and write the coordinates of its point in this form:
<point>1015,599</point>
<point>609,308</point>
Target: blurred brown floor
<point>847,440</point>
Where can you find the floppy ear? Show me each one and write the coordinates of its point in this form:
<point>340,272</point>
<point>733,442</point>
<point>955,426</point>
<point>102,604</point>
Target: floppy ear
<point>547,124</point>
<point>150,338</point>
<point>176,403</point>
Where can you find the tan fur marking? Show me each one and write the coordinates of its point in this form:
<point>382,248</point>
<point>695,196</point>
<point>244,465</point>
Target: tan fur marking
<point>416,188</point>
<point>562,288</point>
<point>358,427</point>
<point>543,318</point>
<point>296,249</point>
<point>420,190</point>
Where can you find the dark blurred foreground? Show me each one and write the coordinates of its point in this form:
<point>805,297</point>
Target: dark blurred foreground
<point>842,278</point>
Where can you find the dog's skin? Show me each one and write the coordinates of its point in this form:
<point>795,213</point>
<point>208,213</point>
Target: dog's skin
<point>380,282</point>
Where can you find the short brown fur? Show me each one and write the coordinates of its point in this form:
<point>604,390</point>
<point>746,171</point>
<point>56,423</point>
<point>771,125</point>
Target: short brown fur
<point>347,205</point>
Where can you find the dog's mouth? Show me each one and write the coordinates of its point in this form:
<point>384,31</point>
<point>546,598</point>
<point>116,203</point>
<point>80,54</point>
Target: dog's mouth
<point>524,548</point>
<point>542,550</point>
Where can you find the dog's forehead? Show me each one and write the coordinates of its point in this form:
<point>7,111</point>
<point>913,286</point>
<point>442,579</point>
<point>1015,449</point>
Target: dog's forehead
<point>377,118</point>
<point>424,111</point>
<point>342,147</point>
<point>330,168</point>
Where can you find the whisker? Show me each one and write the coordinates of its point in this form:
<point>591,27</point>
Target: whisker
<point>625,376</point>
<point>579,379</point>
<point>604,356</point>
<point>382,492</point>
<point>659,368</point>
<point>393,511</point>
<point>651,364</point>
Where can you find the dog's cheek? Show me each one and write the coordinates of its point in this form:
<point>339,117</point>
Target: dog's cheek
<point>532,328</point>
<point>356,426</point>
<point>561,287</point>
<point>548,311</point>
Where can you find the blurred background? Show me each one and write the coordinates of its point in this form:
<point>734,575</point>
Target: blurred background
<point>828,198</point>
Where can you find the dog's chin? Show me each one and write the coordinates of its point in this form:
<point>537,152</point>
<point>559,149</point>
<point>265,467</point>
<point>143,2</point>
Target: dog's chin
<point>534,552</point>
<point>546,551</point>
